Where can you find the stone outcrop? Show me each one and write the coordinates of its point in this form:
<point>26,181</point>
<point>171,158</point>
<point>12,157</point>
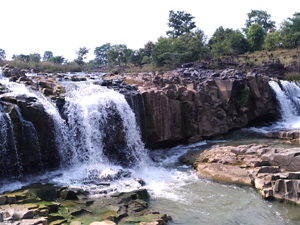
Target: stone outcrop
<point>273,171</point>
<point>193,103</point>
<point>30,143</point>
<point>49,86</point>
<point>290,135</point>
<point>48,204</point>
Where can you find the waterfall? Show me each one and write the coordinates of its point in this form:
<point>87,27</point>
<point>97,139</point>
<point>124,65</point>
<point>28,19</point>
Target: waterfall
<point>288,96</point>
<point>101,127</point>
<point>29,137</point>
<point>8,147</point>
<point>95,132</point>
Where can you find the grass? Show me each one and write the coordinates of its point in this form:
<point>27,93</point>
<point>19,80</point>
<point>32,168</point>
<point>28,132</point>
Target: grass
<point>43,66</point>
<point>284,56</point>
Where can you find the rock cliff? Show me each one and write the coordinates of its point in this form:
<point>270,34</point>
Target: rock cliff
<point>192,103</point>
<point>30,145</point>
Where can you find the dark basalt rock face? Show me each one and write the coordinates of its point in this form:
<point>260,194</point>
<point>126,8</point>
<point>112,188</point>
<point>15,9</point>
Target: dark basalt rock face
<point>30,143</point>
<point>192,103</point>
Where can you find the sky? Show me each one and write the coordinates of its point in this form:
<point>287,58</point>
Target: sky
<point>62,26</point>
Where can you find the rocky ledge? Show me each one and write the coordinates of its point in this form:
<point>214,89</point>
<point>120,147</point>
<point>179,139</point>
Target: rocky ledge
<point>290,135</point>
<point>193,103</point>
<point>47,204</point>
<point>275,172</point>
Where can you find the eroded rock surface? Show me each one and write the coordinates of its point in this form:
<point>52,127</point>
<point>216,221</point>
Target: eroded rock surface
<point>48,204</point>
<point>275,172</point>
<point>290,135</point>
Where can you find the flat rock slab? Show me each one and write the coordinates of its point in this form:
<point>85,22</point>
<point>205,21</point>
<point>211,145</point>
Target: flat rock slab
<point>275,172</point>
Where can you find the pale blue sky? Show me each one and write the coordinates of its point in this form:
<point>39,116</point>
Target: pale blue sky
<point>62,26</point>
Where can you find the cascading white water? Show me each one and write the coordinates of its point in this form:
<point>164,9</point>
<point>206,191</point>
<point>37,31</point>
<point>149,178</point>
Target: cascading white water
<point>29,135</point>
<point>289,101</point>
<point>7,142</point>
<point>102,133</point>
<point>90,110</point>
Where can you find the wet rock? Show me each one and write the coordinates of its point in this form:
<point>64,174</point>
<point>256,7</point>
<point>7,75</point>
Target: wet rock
<point>291,135</point>
<point>141,182</point>
<point>77,78</point>
<point>273,171</point>
<point>120,208</point>
<point>13,72</point>
<point>31,136</point>
<point>50,87</point>
<point>105,222</point>
<point>75,223</point>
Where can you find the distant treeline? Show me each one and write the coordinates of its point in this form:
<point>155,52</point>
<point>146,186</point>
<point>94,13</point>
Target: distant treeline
<point>184,43</point>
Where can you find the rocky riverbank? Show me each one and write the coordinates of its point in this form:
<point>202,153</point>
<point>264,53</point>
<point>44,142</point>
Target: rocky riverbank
<point>273,171</point>
<point>49,204</point>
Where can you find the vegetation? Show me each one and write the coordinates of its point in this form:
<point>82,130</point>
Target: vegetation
<point>101,54</point>
<point>228,42</point>
<point>184,43</point>
<point>256,37</point>
<point>2,54</point>
<point>259,17</point>
<point>181,23</point>
<point>81,55</point>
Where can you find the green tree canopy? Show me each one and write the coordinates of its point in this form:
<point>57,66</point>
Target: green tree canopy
<point>2,54</point>
<point>101,53</point>
<point>172,51</point>
<point>272,41</point>
<point>119,54</point>
<point>148,48</point>
<point>256,36</point>
<point>181,23</point>
<point>35,57</point>
<point>227,42</point>
<point>137,57</point>
<point>56,59</point>
<point>290,31</point>
<point>259,17</point>
<point>47,55</point>
<point>81,55</point>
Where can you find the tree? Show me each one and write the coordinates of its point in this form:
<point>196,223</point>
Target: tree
<point>34,57</point>
<point>56,59</point>
<point>137,57</point>
<point>272,41</point>
<point>290,31</point>
<point>81,55</point>
<point>256,36</point>
<point>259,17</point>
<point>101,53</point>
<point>2,54</point>
<point>148,48</point>
<point>21,57</point>
<point>181,23</point>
<point>228,42</point>
<point>47,55</point>
<point>119,54</point>
<point>172,52</point>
